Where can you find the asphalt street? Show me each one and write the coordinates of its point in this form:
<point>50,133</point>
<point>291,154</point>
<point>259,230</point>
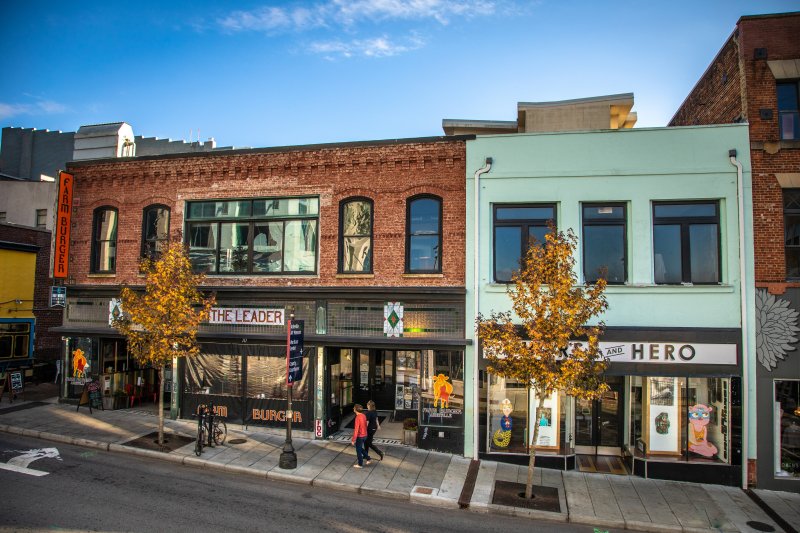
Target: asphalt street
<point>48,486</point>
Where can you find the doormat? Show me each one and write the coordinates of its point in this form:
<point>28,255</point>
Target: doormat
<point>347,436</point>
<point>602,464</point>
<point>513,495</point>
<point>351,424</point>
<point>172,441</point>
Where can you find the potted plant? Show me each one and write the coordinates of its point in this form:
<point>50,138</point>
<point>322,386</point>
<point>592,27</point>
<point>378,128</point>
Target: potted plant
<point>120,399</point>
<point>410,431</point>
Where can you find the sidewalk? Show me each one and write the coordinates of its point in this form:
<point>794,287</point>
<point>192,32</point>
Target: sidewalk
<point>428,478</point>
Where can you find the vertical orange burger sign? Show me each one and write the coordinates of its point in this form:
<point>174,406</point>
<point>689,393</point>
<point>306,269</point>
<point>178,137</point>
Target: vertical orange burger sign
<point>63,225</point>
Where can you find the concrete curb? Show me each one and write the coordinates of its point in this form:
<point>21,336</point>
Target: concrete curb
<point>335,485</point>
<point>281,476</point>
<point>528,513</point>
<point>654,528</point>
<point>597,521</point>
<point>383,493</point>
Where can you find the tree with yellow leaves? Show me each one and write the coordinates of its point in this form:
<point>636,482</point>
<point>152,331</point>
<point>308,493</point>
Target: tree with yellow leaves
<point>161,323</point>
<point>552,313</point>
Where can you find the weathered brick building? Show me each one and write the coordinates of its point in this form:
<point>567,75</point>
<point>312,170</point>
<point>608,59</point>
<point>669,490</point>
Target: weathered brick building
<point>365,242</point>
<point>755,79</point>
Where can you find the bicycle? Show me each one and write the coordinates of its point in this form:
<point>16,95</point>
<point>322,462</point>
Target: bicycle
<point>211,430</point>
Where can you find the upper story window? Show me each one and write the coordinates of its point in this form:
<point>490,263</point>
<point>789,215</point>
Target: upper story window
<point>155,231</point>
<point>355,236</point>
<point>515,228</point>
<point>260,236</point>
<point>788,107</point>
<point>604,243</point>
<point>41,218</point>
<point>686,246</point>
<point>424,235</point>
<point>791,231</point>
<point>104,241</point>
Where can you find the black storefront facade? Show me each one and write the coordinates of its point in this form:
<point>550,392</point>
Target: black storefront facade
<point>402,348</point>
<point>673,410</point>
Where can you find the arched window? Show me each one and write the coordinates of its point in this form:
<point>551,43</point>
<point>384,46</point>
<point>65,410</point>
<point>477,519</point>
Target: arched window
<point>355,235</point>
<point>155,231</point>
<point>424,235</point>
<point>104,240</point>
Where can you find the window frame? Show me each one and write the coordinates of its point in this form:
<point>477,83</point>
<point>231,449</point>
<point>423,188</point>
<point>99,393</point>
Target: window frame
<point>145,241</point>
<point>409,236</point>
<point>95,247</point>
<point>523,223</point>
<point>795,111</point>
<point>251,220</point>
<point>685,224</point>
<point>342,206</point>
<point>41,218</point>
<point>605,222</point>
<point>787,212</point>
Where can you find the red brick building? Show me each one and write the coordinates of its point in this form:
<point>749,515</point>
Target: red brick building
<point>341,235</point>
<point>756,78</point>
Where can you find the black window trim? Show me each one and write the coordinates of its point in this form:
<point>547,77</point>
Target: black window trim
<point>409,201</point>
<point>145,210</point>
<point>786,247</point>
<point>523,223</point>
<point>606,222</point>
<point>95,251</point>
<point>684,223</point>
<point>342,204</point>
<point>251,220</point>
<point>796,83</point>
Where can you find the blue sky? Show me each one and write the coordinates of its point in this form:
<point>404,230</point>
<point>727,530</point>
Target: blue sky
<point>284,73</point>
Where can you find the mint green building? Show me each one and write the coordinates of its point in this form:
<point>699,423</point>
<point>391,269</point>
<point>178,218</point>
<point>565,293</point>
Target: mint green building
<point>667,211</point>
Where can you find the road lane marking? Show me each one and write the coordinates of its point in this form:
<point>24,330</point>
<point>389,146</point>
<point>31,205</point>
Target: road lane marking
<point>20,463</point>
<point>22,470</point>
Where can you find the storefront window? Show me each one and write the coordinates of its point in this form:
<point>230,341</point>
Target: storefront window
<point>266,378</point>
<point>442,388</point>
<point>216,374</point>
<point>406,395</point>
<point>508,415</point>
<point>82,364</point>
<point>682,418</point>
<point>550,420</point>
<point>787,428</point>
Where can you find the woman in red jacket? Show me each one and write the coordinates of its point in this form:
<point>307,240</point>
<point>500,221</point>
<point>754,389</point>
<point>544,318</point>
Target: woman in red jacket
<point>359,434</point>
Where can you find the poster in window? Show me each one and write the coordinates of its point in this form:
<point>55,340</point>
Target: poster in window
<point>662,391</point>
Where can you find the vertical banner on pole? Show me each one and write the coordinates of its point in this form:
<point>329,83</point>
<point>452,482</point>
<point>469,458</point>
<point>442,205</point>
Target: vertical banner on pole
<point>295,355</point>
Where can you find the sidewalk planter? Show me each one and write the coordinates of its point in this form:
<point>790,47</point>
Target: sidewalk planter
<point>410,431</point>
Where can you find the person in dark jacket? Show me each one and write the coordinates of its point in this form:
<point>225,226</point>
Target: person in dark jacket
<point>373,425</point>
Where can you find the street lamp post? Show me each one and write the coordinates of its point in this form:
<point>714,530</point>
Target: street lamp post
<point>288,459</point>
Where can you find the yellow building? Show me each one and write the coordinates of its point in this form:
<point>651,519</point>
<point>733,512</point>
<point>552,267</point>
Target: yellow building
<point>17,274</point>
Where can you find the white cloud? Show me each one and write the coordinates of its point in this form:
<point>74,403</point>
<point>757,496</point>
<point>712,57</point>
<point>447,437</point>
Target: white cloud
<point>41,107</point>
<point>351,12</point>
<point>374,47</point>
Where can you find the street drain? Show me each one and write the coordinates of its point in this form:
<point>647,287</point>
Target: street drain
<point>237,441</point>
<point>760,526</point>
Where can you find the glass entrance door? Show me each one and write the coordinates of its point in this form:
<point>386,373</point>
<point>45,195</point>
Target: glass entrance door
<point>374,378</point>
<point>598,423</point>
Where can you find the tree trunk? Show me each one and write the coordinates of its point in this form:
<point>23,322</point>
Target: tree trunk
<point>532,461</point>
<point>161,405</point>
